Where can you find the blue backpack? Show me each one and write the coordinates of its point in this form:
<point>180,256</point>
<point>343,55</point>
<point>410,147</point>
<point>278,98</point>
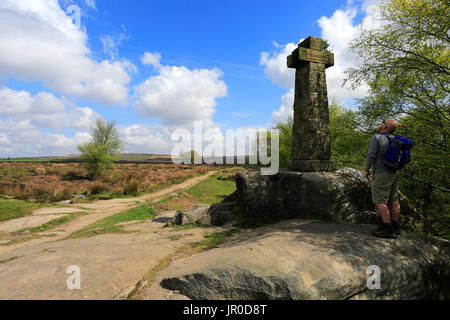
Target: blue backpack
<point>398,153</point>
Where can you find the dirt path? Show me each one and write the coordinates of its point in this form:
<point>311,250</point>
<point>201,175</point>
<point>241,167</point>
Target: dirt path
<point>109,264</point>
<point>97,210</point>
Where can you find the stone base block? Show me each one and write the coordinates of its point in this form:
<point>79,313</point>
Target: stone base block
<point>343,194</point>
<point>310,165</point>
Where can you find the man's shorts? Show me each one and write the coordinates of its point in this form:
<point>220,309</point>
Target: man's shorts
<point>385,186</point>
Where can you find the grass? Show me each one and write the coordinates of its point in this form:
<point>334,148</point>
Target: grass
<point>189,225</point>
<point>53,182</point>
<point>12,209</point>
<point>213,190</point>
<point>51,224</point>
<point>21,239</point>
<point>175,238</point>
<point>110,224</point>
<point>213,240</point>
<point>10,259</point>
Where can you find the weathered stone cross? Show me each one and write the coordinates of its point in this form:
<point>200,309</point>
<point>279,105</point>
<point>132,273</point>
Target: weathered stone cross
<point>311,148</point>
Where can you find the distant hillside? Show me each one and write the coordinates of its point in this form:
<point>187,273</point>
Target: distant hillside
<point>124,157</point>
<point>129,158</point>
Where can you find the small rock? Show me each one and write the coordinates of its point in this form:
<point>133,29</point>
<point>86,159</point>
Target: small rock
<point>195,214</point>
<point>64,202</point>
<point>220,214</point>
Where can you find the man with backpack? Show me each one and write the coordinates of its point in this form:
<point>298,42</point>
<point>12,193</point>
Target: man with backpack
<point>384,181</point>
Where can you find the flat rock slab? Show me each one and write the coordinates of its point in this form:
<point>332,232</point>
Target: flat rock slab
<point>28,222</point>
<point>108,263</point>
<point>296,259</point>
<point>55,210</point>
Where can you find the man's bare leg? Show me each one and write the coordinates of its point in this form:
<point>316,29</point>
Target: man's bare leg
<point>394,208</point>
<point>386,230</point>
<point>384,212</point>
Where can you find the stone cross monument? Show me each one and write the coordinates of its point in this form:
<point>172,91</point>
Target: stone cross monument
<point>311,148</point>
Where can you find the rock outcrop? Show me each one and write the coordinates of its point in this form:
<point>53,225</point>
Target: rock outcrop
<point>342,195</point>
<point>195,214</point>
<point>216,214</point>
<point>295,259</point>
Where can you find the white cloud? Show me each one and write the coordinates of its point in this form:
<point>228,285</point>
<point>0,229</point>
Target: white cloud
<point>286,109</point>
<point>338,30</point>
<point>275,65</point>
<point>40,43</point>
<point>21,138</point>
<point>151,59</point>
<point>111,43</point>
<point>147,139</point>
<point>157,139</point>
<point>178,95</point>
<point>83,118</point>
<point>91,3</point>
<point>43,110</point>
<point>4,139</point>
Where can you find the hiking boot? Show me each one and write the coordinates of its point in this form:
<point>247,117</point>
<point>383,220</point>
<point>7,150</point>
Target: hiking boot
<point>396,229</point>
<point>384,232</point>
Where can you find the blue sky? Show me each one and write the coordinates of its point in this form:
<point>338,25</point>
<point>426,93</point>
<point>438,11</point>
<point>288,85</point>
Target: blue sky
<point>220,62</point>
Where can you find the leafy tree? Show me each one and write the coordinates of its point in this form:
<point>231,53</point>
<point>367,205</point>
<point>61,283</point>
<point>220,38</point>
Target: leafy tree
<point>406,63</point>
<point>99,154</point>
<point>285,136</point>
<point>348,143</point>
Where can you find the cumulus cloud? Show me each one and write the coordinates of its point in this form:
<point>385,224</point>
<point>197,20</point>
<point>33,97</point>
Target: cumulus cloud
<point>22,138</point>
<point>286,109</point>
<point>275,65</point>
<point>4,139</point>
<point>178,95</point>
<point>338,30</point>
<point>140,138</point>
<point>43,110</point>
<point>151,59</point>
<point>40,43</point>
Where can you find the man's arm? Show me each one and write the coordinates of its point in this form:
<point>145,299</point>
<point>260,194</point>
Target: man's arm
<point>371,156</point>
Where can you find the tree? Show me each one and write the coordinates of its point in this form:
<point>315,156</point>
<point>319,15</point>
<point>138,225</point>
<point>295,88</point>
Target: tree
<point>285,145</point>
<point>99,154</point>
<point>348,143</point>
<point>406,63</point>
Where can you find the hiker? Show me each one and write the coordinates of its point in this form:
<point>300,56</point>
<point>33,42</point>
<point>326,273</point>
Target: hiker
<point>384,182</point>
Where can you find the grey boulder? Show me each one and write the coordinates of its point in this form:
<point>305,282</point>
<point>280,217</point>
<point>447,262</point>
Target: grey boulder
<point>300,260</point>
